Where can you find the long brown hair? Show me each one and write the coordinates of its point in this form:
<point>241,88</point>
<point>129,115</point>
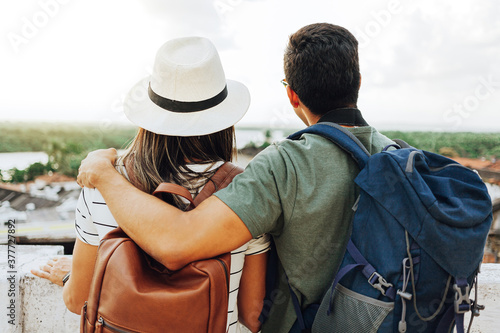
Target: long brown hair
<point>152,158</point>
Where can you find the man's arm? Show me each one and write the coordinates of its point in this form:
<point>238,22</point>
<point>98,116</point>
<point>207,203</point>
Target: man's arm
<point>169,235</point>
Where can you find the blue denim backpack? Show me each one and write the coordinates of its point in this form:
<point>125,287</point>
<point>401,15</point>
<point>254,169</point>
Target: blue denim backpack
<point>418,235</point>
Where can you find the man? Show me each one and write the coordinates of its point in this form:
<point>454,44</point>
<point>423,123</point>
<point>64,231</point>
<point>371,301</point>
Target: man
<point>301,192</point>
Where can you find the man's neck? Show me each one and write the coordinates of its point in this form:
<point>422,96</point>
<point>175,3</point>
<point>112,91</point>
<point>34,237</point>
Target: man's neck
<point>312,118</point>
<point>345,117</point>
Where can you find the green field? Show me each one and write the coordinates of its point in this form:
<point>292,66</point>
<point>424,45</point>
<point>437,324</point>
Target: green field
<point>68,144</point>
<point>467,144</point>
<point>19,137</point>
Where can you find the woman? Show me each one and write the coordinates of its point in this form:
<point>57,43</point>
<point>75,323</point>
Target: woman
<point>186,113</point>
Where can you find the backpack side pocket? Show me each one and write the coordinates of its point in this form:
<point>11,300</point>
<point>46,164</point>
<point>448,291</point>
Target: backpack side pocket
<point>351,313</point>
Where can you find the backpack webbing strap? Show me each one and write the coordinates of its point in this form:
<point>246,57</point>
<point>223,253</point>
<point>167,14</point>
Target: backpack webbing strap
<point>339,136</point>
<point>305,317</point>
<point>450,319</point>
<point>376,280</point>
<point>271,282</point>
<point>447,321</point>
<point>455,313</point>
<point>340,274</point>
<point>462,302</point>
<point>296,307</point>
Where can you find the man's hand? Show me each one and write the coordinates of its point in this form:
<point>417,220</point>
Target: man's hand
<point>95,165</point>
<point>54,270</point>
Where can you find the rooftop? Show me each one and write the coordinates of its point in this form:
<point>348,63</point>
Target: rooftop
<point>489,170</point>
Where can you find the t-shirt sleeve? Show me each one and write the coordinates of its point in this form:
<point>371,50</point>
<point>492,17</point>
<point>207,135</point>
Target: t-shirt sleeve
<point>259,245</point>
<point>257,194</point>
<point>84,225</point>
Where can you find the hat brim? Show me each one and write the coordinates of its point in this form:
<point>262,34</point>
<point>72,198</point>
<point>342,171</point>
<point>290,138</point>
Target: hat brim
<point>141,111</point>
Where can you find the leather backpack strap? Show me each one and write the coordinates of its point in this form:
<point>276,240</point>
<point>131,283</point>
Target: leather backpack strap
<point>219,180</point>
<point>174,189</point>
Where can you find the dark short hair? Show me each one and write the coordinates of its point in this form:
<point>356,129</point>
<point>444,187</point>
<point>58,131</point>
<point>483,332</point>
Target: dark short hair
<point>322,67</point>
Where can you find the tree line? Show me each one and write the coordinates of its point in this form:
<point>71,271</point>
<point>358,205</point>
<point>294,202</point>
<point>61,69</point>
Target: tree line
<point>67,144</point>
<point>460,144</point>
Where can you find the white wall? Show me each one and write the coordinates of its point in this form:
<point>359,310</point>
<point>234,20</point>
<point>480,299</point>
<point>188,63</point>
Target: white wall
<point>39,303</point>
<point>40,307</point>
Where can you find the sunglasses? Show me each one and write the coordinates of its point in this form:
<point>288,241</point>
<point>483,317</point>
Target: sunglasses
<point>284,83</point>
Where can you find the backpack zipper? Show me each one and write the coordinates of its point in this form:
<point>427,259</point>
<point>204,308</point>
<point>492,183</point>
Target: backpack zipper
<point>449,165</point>
<point>224,268</point>
<point>112,327</point>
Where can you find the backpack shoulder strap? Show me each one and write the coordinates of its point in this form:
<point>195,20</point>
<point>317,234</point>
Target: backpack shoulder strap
<point>219,180</point>
<point>222,177</point>
<point>174,189</point>
<point>341,137</point>
<point>402,143</point>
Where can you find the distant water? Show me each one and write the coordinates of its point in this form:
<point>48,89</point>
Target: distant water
<point>245,136</point>
<point>21,160</point>
<point>25,159</point>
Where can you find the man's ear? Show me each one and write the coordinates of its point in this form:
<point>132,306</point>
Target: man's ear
<point>360,79</point>
<point>293,97</point>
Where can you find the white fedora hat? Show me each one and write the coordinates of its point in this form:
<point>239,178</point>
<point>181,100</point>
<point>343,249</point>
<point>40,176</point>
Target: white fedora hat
<point>187,94</point>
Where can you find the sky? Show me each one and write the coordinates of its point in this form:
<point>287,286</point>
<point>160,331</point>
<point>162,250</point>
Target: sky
<point>425,65</point>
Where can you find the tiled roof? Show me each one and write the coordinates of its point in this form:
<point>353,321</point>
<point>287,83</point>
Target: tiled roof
<point>488,170</point>
<point>55,178</point>
<point>478,163</point>
<point>496,205</point>
<point>19,200</point>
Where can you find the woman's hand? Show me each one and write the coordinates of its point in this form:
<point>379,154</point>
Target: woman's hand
<point>54,270</point>
<point>95,165</point>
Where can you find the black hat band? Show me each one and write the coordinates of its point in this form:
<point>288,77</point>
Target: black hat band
<point>177,106</point>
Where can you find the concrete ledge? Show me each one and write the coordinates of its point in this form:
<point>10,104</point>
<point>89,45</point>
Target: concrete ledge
<point>489,296</point>
<point>39,303</point>
<point>40,307</point>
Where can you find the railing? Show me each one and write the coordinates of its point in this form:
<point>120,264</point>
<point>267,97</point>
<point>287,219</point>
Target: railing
<point>38,304</point>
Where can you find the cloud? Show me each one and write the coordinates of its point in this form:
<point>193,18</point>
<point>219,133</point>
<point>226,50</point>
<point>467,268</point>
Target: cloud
<point>416,63</point>
<point>431,57</point>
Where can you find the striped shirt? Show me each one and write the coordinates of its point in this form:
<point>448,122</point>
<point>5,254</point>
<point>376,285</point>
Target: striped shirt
<point>93,220</point>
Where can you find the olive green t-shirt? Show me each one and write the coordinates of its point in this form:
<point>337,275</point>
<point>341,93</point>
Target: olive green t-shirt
<point>301,192</point>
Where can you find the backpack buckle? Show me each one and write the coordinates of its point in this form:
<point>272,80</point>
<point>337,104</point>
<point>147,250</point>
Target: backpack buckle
<point>378,282</point>
<point>462,300</point>
<point>476,309</point>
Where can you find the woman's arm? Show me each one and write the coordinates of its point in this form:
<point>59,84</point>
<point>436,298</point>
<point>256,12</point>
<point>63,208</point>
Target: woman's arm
<point>252,290</point>
<point>76,290</point>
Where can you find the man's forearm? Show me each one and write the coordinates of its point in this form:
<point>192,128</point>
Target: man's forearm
<point>169,235</point>
<point>139,214</point>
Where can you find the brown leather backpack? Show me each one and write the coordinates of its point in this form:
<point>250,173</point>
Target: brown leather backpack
<point>131,292</point>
